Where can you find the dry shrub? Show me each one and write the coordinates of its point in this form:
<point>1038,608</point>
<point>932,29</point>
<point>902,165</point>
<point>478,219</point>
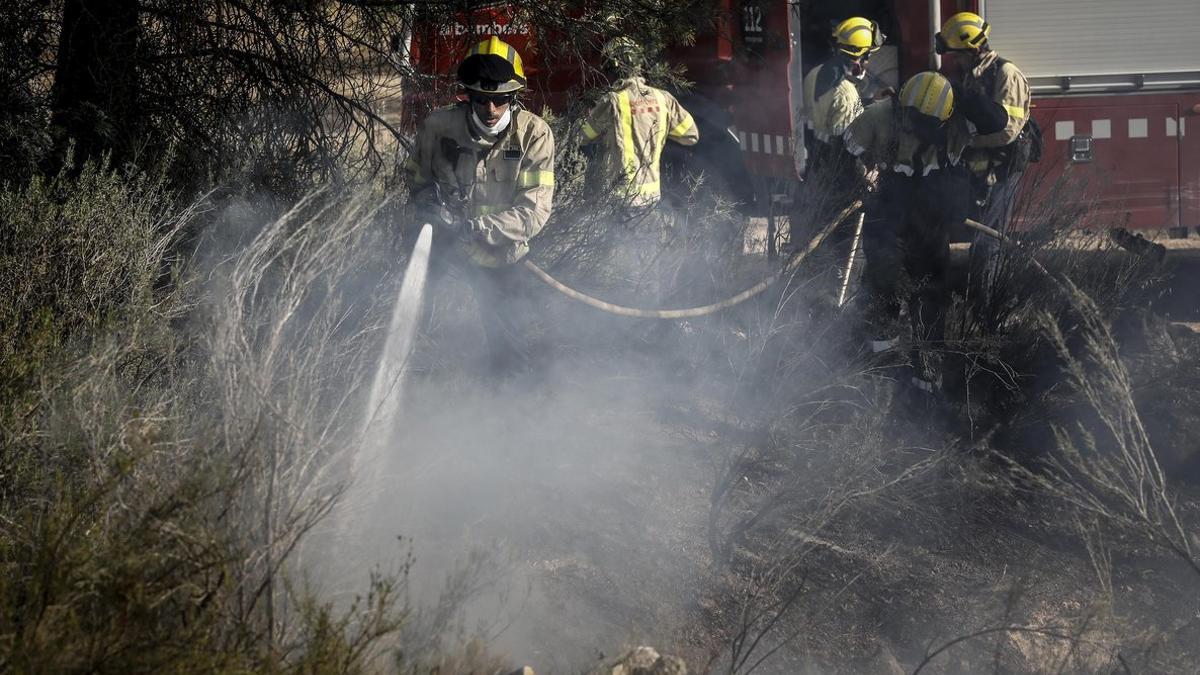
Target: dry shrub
<point>833,490</point>
<point>162,473</point>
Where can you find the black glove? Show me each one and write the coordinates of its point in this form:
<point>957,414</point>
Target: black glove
<point>431,209</point>
<point>443,217</point>
<point>987,115</point>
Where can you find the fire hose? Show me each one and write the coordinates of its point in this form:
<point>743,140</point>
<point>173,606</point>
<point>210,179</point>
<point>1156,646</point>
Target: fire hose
<point>692,312</point>
<point>705,310</point>
<point>980,227</point>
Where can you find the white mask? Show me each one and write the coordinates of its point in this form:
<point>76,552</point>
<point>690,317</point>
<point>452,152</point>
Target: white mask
<point>492,130</point>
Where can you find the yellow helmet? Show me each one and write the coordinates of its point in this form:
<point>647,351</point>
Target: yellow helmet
<point>624,53</point>
<point>929,93</point>
<point>961,32</point>
<point>492,66</point>
<point>857,36</point>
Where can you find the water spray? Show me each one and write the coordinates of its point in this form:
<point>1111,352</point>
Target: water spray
<point>383,406</point>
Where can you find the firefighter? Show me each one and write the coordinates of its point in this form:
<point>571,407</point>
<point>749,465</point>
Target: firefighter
<point>915,142</point>
<point>630,126</point>
<point>633,123</point>
<point>482,172</point>
<point>994,95</point>
<point>833,100</point>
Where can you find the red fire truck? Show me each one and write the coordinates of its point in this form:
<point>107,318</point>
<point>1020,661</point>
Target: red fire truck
<point>1115,84</point>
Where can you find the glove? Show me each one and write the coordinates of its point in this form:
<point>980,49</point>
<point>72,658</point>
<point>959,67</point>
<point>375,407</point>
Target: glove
<point>443,217</point>
<point>431,209</point>
<point>987,115</point>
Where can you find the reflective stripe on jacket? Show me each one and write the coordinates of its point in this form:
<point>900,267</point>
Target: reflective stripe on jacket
<point>507,186</point>
<point>634,122</point>
<point>1010,90</point>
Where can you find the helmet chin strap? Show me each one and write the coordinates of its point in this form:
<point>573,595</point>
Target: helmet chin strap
<point>496,128</point>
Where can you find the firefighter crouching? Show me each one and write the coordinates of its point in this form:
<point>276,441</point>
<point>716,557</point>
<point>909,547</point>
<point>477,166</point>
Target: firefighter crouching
<point>994,95</point>
<point>482,173</point>
<point>915,142</point>
<point>833,99</point>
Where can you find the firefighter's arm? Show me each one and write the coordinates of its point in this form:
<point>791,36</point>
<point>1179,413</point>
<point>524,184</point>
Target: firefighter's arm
<point>418,167</point>
<point>1011,96</point>
<point>859,140</point>
<point>423,197</point>
<point>959,133</point>
<point>534,193</point>
<point>598,121</point>
<point>681,128</point>
<point>860,136</point>
<point>845,107</point>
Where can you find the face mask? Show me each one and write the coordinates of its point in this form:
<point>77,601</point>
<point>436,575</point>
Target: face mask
<point>493,130</point>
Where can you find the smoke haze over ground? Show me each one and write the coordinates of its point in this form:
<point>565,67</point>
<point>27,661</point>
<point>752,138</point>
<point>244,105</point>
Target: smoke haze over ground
<point>751,474</point>
<point>567,484</point>
<point>183,383</point>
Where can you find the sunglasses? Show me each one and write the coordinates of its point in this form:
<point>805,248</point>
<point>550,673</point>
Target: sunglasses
<point>498,100</point>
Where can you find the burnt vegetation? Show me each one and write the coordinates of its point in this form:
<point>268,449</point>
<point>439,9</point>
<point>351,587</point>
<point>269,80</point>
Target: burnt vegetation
<point>198,245</point>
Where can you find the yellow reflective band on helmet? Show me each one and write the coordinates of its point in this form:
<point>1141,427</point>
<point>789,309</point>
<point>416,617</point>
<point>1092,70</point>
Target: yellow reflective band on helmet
<point>494,46</point>
<point>682,128</point>
<point>857,36</point>
<point>590,131</point>
<point>528,179</point>
<point>628,152</point>
<point>1015,111</point>
<point>847,37</point>
<point>930,94</point>
<point>965,30</point>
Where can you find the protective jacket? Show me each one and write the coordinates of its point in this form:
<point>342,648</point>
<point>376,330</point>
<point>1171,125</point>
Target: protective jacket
<point>882,138</point>
<point>505,186</point>
<point>999,94</point>
<point>832,98</point>
<point>634,121</point>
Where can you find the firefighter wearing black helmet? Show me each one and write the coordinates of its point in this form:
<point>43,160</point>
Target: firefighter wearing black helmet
<point>482,172</point>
